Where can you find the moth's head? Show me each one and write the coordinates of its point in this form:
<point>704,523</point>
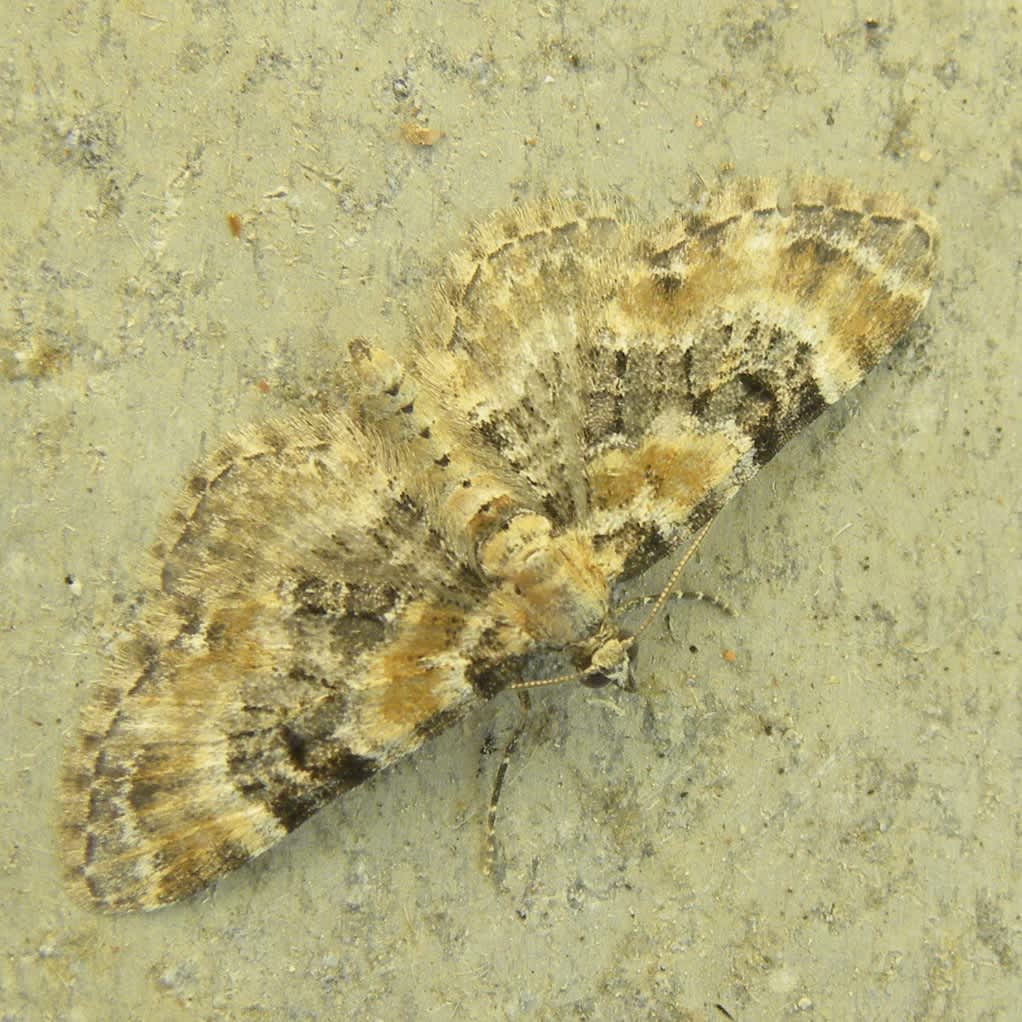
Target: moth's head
<point>612,664</point>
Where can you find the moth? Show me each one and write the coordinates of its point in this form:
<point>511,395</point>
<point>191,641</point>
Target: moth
<point>330,590</point>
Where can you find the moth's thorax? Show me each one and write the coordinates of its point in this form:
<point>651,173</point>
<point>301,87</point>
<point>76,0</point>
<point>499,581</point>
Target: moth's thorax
<point>551,583</point>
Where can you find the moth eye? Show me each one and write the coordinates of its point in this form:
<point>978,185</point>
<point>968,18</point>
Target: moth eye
<point>595,679</point>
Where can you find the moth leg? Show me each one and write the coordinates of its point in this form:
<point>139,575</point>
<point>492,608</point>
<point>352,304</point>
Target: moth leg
<point>498,784</point>
<point>716,601</point>
<point>701,597</point>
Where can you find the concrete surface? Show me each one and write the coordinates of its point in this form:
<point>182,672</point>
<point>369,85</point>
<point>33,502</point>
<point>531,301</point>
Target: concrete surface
<point>809,811</point>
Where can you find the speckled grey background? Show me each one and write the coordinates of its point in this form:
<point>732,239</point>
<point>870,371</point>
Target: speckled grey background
<point>823,824</point>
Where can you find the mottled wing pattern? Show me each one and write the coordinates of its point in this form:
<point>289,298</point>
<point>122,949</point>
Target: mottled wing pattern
<point>637,378</point>
<point>300,633</point>
<point>735,329</point>
<point>512,343</point>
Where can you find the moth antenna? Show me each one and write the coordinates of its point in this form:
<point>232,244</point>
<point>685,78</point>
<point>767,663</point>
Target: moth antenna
<point>557,679</point>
